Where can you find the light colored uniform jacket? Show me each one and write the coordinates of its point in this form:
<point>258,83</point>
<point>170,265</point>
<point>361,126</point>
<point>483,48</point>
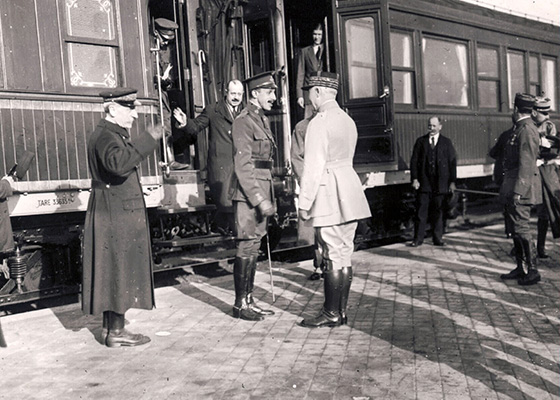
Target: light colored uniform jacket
<point>330,188</point>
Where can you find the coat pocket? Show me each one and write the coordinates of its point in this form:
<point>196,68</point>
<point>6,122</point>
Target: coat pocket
<point>133,204</point>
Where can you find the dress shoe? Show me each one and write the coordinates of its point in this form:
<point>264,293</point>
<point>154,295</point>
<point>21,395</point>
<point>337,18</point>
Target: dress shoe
<point>123,337</point>
<point>531,278</point>
<point>542,254</point>
<point>315,276</point>
<point>176,166</point>
<point>415,243</point>
<point>517,273</point>
<point>439,243</point>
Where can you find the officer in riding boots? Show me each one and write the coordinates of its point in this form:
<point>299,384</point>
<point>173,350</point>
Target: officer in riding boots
<point>253,196</point>
<point>521,188</point>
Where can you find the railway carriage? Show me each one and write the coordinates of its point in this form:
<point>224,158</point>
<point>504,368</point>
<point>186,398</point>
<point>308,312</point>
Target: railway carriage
<point>399,62</point>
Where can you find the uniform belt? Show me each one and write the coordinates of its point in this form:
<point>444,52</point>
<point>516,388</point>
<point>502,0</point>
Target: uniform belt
<point>263,164</point>
<point>100,185</point>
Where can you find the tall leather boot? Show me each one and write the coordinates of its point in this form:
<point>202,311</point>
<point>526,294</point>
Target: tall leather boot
<point>118,336</point>
<point>329,315</point>
<point>542,228</point>
<point>346,282</point>
<point>240,279</point>
<point>518,272</point>
<point>532,275</point>
<point>250,284</point>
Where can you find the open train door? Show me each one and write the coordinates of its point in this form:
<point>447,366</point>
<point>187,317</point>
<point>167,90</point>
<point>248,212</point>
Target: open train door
<point>362,55</point>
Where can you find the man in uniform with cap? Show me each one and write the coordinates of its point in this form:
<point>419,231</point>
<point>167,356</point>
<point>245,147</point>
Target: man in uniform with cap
<point>165,36</point>
<point>521,187</point>
<point>331,194</point>
<point>117,258</point>
<point>548,210</point>
<point>253,196</point>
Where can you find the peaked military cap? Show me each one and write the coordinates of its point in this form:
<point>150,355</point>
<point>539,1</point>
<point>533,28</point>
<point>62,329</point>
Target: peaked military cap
<point>121,95</point>
<point>166,28</point>
<point>524,101</point>
<point>542,104</point>
<point>323,79</point>
<point>263,80</point>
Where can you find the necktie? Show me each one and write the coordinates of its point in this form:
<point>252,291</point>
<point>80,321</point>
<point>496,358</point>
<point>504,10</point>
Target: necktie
<point>432,142</point>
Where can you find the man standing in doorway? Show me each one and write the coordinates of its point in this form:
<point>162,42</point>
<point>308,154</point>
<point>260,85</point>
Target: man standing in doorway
<point>219,117</point>
<point>433,170</point>
<point>311,59</point>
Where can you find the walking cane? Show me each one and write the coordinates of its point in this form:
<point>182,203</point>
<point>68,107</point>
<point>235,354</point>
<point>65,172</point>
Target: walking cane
<point>165,164</point>
<point>270,267</point>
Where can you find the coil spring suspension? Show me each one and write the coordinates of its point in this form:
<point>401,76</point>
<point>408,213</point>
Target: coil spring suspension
<point>17,264</point>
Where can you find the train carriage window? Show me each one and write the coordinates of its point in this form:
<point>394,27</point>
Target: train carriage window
<point>446,72</point>
<point>91,43</point>
<point>403,67</point>
<point>516,74</point>
<point>488,78</point>
<point>534,86</point>
<point>361,57</point>
<point>548,74</point>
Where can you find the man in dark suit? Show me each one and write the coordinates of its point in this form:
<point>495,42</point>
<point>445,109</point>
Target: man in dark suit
<point>311,59</point>
<point>219,117</point>
<point>433,170</point>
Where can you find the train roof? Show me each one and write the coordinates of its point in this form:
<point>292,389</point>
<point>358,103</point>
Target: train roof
<point>472,14</point>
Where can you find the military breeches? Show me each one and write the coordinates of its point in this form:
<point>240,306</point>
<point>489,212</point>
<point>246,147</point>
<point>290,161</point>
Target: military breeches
<point>337,244</point>
<point>518,216</point>
<point>251,228</point>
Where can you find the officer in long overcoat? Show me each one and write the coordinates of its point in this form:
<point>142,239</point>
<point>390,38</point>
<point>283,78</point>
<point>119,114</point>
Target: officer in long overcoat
<point>117,259</point>
<point>219,118</point>
<point>331,194</point>
<point>521,188</point>
<point>253,196</point>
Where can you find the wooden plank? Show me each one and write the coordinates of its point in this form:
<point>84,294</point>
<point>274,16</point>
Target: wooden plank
<point>49,39</point>
<point>70,140</point>
<point>131,44</point>
<point>41,150</point>
<point>8,146</point>
<point>21,48</point>
<point>81,141</point>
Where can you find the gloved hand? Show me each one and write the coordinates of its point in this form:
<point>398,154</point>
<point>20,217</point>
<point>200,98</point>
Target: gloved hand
<point>10,179</point>
<point>266,208</point>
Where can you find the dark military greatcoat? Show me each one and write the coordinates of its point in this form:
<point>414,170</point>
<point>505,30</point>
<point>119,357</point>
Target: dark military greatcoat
<point>117,259</point>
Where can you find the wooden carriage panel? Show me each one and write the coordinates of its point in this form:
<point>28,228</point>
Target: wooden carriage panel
<point>49,39</point>
<point>7,142</point>
<point>21,47</point>
<point>133,32</point>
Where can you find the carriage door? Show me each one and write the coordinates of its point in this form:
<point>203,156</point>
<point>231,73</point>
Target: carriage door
<point>365,83</point>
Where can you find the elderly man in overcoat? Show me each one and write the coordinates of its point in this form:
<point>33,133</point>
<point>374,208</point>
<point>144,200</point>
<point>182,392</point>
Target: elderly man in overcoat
<point>253,195</point>
<point>331,194</point>
<point>521,188</point>
<point>117,258</point>
<point>219,118</point>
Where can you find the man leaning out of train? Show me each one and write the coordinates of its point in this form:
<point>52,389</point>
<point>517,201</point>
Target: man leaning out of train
<point>117,257</point>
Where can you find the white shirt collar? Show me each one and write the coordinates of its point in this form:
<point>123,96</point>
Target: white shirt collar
<point>436,138</point>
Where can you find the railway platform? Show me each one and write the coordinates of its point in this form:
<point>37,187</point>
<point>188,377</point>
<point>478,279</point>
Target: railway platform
<point>423,323</point>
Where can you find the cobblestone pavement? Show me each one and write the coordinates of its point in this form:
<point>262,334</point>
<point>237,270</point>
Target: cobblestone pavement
<point>424,323</point>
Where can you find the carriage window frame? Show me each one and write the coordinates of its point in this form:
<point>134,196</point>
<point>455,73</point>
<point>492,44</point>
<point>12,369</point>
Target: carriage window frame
<point>467,73</point>
<point>411,70</point>
<point>511,91</point>
<point>492,79</point>
<point>349,98</point>
<point>112,45</point>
